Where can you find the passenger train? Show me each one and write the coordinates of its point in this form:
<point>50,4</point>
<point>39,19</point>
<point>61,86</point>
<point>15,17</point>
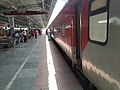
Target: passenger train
<point>88,31</point>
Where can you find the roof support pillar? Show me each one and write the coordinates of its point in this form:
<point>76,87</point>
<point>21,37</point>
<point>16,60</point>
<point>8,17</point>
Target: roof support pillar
<point>12,25</point>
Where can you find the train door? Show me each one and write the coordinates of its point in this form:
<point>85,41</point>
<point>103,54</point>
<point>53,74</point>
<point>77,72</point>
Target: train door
<point>78,35</point>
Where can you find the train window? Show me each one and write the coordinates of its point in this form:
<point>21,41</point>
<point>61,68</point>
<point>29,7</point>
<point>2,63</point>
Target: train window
<point>98,21</point>
<point>63,30</point>
<point>97,4</point>
<point>58,28</point>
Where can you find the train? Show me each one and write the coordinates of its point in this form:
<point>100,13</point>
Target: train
<point>88,32</point>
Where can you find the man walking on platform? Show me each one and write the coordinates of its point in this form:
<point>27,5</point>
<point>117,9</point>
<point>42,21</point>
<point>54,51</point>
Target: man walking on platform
<point>49,34</point>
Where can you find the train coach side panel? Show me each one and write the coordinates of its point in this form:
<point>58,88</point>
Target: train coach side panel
<point>66,18</point>
<point>101,63</point>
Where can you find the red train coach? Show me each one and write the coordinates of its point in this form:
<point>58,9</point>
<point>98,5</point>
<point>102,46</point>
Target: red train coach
<point>88,33</point>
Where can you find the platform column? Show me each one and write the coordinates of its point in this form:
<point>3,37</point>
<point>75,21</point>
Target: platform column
<point>12,24</point>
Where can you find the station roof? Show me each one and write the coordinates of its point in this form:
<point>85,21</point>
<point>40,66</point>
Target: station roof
<point>37,11</point>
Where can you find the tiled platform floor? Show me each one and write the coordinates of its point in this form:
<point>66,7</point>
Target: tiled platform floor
<point>35,65</point>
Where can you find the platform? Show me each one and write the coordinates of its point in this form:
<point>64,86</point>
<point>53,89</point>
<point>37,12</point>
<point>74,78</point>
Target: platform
<point>35,65</point>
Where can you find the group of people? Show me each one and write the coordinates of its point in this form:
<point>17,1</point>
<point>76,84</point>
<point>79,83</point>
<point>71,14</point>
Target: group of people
<point>34,33</point>
<point>23,35</point>
<point>20,36</point>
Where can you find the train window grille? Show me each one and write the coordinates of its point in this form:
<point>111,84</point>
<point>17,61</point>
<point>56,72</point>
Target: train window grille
<point>63,29</point>
<point>58,28</point>
<point>98,21</point>
<point>56,31</point>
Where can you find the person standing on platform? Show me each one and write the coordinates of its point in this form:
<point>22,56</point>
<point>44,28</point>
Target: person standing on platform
<point>32,33</point>
<point>46,33</point>
<point>17,37</point>
<point>24,35</point>
<point>49,34</point>
<point>35,32</point>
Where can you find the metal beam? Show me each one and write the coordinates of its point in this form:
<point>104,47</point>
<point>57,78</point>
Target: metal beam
<point>30,6</point>
<point>51,9</point>
<point>3,18</point>
<point>25,13</point>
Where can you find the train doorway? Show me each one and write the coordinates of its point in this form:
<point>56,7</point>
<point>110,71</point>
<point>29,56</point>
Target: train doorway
<point>78,35</point>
